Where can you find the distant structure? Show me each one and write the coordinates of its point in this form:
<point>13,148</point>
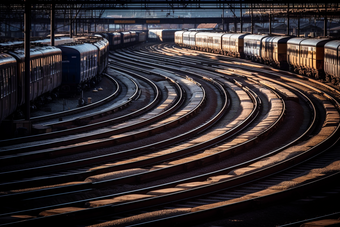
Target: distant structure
<point>208,25</point>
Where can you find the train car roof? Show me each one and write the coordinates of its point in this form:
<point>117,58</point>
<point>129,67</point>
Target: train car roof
<point>178,32</point>
<point>207,33</point>
<point>186,32</point>
<point>314,42</point>
<point>212,34</point>
<point>257,37</point>
<point>227,35</point>
<point>205,29</point>
<point>281,39</point>
<point>11,43</point>
<point>101,43</point>
<point>192,33</point>
<point>104,35</point>
<point>49,50</point>
<point>334,44</point>
<point>19,54</point>
<point>172,29</point>
<point>81,48</point>
<point>296,41</point>
<point>277,39</point>
<point>6,59</point>
<point>239,35</point>
<point>42,41</point>
<point>114,33</point>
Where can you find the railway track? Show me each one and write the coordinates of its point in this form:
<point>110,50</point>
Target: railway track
<point>253,111</point>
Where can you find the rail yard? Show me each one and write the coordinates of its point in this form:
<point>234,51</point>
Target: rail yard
<point>182,136</point>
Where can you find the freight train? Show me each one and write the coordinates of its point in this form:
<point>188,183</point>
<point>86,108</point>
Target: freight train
<point>73,64</point>
<point>123,39</point>
<point>314,57</point>
<point>163,35</point>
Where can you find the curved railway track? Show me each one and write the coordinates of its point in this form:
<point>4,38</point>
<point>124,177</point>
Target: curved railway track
<point>243,136</point>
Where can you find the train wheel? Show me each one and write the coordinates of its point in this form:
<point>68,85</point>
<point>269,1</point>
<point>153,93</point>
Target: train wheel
<point>334,81</point>
<point>291,68</point>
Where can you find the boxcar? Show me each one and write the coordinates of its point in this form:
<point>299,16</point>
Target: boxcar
<point>125,38</point>
<point>133,37</point>
<point>233,44</point>
<point>192,39</point>
<point>332,61</point>
<point>293,53</point>
<point>57,40</point>
<point>215,42</point>
<point>114,39</point>
<point>306,56</point>
<point>274,51</point>
<point>153,34</point>
<point>179,38</point>
<point>8,85</point>
<point>45,71</point>
<point>79,65</point>
<point>51,68</point>
<point>102,46</point>
<point>253,47</point>
<point>312,56</point>
<point>141,36</point>
<point>186,39</point>
<point>168,35</point>
<point>202,41</point>
<point>226,44</point>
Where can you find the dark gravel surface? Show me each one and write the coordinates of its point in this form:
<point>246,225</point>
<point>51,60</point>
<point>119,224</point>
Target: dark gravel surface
<point>71,102</point>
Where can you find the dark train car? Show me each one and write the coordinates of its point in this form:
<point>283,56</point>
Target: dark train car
<point>163,35</point>
<point>192,39</point>
<point>274,51</point>
<point>153,34</point>
<point>102,46</point>
<point>227,44</point>
<point>186,39</point>
<point>125,39</point>
<point>179,38</point>
<point>167,35</point>
<point>45,71</point>
<point>103,54</point>
<point>133,37</point>
<point>8,85</point>
<point>215,42</point>
<point>79,66</point>
<point>233,44</point>
<point>57,41</point>
<point>114,39</point>
<point>253,47</point>
<point>141,36</point>
<point>332,61</point>
<point>293,53</point>
<point>312,56</point>
<point>202,41</point>
<point>306,56</point>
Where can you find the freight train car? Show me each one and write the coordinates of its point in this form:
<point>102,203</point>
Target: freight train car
<point>332,61</point>
<point>8,85</point>
<point>313,57</point>
<point>79,65</point>
<point>274,51</point>
<point>45,71</point>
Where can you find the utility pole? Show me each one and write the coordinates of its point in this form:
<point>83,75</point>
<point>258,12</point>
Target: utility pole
<point>52,23</point>
<point>27,42</point>
<point>241,23</point>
